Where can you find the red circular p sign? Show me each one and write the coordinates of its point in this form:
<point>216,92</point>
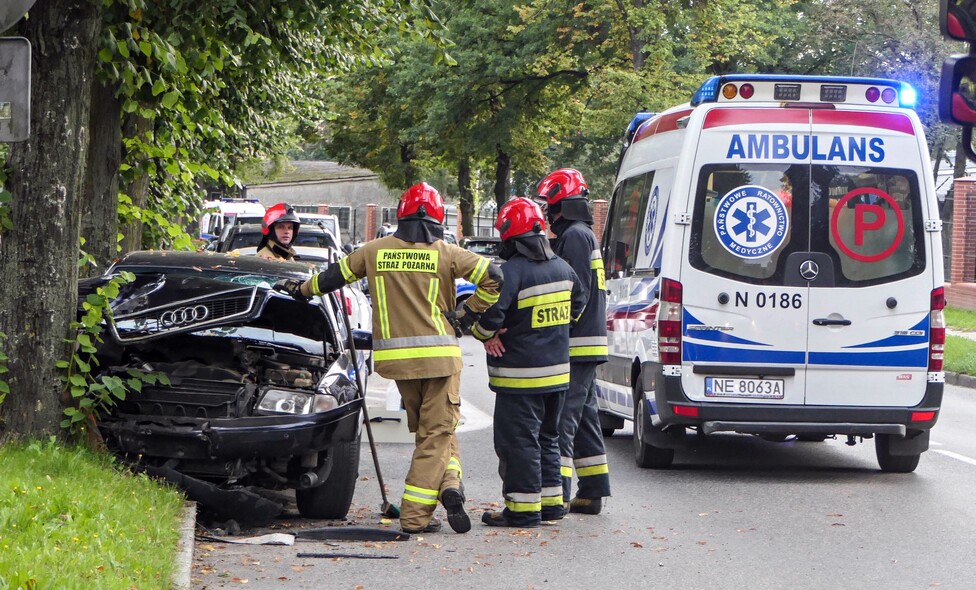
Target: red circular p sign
<point>868,217</point>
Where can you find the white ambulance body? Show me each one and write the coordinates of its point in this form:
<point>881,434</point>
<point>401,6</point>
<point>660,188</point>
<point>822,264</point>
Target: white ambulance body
<point>774,267</point>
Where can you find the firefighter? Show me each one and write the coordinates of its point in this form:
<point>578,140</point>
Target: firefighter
<point>526,338</point>
<point>411,278</point>
<point>279,229</point>
<point>564,195</point>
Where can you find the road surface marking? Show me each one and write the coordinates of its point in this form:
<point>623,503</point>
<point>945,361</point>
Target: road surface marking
<point>956,456</point>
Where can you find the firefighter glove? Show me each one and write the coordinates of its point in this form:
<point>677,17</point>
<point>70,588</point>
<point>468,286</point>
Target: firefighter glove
<point>291,287</point>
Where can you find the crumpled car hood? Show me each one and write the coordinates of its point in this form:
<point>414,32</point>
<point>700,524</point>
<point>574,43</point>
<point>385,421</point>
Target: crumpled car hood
<point>165,304</point>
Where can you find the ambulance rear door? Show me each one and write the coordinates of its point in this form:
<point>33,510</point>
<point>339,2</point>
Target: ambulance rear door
<point>869,262</point>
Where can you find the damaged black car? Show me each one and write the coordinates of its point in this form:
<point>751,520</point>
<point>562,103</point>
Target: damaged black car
<point>263,389</point>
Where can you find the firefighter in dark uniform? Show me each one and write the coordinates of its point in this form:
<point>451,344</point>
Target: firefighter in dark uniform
<point>526,337</point>
<point>580,438</point>
<point>279,229</point>
<point>411,280</point>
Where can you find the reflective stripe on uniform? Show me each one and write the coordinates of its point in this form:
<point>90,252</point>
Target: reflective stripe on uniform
<point>528,378</point>
<point>454,465</point>
<point>419,495</point>
<point>588,346</point>
<point>596,261</point>
<point>545,293</point>
<point>481,334</point>
<point>523,502</point>
<point>566,466</point>
<point>595,465</point>
<point>346,272</point>
<point>397,354</point>
<point>413,342</point>
<point>381,302</point>
<point>435,312</point>
<point>552,496</point>
<point>479,271</point>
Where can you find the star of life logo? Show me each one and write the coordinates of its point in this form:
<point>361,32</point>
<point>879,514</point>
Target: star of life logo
<point>751,222</point>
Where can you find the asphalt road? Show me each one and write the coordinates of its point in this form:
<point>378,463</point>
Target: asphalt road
<point>735,512</point>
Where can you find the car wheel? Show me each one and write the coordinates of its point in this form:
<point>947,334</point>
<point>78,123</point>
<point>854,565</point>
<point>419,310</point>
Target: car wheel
<point>647,455</point>
<point>332,499</point>
<point>893,463</point>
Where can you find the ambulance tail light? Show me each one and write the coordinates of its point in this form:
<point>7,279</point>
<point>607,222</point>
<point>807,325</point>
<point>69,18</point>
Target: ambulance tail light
<point>669,323</point>
<point>872,94</point>
<point>937,332</point>
<point>747,91</point>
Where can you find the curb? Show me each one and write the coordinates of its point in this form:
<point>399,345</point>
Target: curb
<point>960,380</point>
<point>184,550</point>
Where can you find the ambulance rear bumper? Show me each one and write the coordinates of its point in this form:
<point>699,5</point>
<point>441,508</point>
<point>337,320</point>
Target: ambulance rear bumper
<point>759,418</point>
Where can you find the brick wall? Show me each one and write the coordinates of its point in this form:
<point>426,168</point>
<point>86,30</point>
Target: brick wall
<point>600,208</point>
<point>961,275</point>
<point>371,226</point>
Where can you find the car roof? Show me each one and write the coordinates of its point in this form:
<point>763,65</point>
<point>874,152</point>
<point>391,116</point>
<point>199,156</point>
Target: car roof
<point>204,261</point>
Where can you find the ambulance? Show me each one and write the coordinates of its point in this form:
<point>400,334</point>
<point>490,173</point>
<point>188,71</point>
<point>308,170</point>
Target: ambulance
<point>774,268</point>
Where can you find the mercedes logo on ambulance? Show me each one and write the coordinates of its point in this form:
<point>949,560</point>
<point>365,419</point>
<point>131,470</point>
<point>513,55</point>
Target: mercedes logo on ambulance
<point>751,222</point>
<point>183,316</point>
<point>809,270</point>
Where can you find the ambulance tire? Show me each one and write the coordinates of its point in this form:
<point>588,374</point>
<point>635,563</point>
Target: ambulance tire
<point>332,499</point>
<point>646,455</point>
<point>893,463</point>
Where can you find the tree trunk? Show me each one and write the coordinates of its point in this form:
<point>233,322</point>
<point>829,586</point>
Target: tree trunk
<point>135,125</point>
<point>466,197</point>
<point>503,171</point>
<point>100,202</point>
<point>39,258</point>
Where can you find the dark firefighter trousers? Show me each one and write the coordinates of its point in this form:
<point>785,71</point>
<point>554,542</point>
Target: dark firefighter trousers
<point>580,438</point>
<point>527,445</point>
<point>433,408</point>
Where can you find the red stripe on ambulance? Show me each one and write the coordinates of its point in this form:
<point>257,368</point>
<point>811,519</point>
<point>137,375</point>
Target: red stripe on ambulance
<point>890,121</point>
<point>662,124</point>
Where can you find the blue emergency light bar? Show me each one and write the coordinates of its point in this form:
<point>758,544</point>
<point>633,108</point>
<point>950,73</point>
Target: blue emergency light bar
<point>786,88</point>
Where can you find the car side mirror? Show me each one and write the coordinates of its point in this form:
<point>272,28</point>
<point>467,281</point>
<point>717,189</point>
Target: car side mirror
<point>957,19</point>
<point>362,339</point>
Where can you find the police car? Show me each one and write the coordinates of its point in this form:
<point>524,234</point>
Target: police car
<point>774,264</point>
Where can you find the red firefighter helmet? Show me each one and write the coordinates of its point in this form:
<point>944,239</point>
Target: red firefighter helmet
<point>564,183</point>
<point>279,212</point>
<point>421,200</point>
<point>518,217</point>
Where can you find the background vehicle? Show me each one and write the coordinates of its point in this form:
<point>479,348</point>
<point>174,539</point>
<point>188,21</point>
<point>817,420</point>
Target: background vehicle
<point>774,265</point>
<point>218,215</point>
<point>484,246</point>
<point>261,390</point>
<point>356,301</point>
<point>329,222</point>
<point>236,237</point>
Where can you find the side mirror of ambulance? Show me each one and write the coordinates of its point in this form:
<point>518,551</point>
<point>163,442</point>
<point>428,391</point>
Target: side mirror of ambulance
<point>957,87</point>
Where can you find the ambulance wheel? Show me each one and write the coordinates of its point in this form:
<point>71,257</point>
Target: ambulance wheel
<point>647,455</point>
<point>893,463</point>
<point>332,499</point>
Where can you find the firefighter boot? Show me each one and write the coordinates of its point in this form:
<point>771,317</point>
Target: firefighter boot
<point>586,505</point>
<point>499,519</point>
<point>453,501</point>
<point>553,512</point>
<point>434,526</point>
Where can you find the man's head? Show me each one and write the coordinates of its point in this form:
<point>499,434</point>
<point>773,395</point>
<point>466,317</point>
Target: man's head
<point>281,224</point>
<point>563,194</point>
<point>520,217</point>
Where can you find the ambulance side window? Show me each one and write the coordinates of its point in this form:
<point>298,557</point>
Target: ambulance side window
<point>624,222</point>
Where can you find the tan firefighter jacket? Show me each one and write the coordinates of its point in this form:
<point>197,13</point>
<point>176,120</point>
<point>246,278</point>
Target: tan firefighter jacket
<point>410,285</point>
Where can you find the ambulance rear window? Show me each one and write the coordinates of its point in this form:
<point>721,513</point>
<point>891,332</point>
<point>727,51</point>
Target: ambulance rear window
<point>749,217</point>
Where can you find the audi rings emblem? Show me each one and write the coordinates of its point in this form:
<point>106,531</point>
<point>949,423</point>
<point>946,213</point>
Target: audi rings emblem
<point>809,270</point>
<point>183,316</point>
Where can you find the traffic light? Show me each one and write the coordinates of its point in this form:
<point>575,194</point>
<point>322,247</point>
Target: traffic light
<point>957,88</point>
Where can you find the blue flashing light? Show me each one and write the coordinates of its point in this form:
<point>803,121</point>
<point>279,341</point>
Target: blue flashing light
<point>635,123</point>
<point>907,96</point>
<point>708,92</point>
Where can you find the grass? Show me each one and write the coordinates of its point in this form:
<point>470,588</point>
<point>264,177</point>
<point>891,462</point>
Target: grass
<point>960,353</point>
<point>70,519</point>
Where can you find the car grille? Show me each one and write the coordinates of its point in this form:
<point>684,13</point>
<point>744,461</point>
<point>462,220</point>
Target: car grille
<point>191,398</point>
<point>185,316</point>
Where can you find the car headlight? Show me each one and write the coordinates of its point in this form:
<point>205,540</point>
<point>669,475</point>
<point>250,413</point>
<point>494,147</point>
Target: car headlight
<point>280,401</point>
